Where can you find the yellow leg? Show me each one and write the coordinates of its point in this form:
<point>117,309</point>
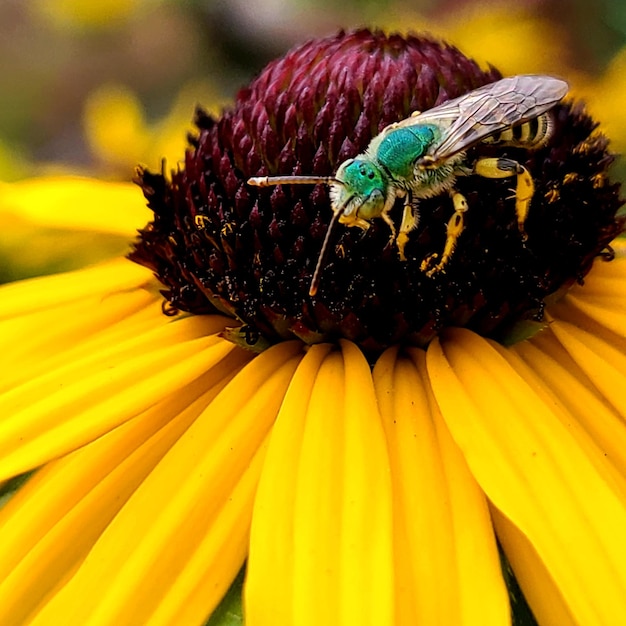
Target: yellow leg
<point>454,230</point>
<point>524,190</point>
<point>410,220</point>
<point>523,195</point>
<point>392,227</point>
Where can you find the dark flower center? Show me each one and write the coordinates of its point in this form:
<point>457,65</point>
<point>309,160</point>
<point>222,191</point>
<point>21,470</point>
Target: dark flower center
<point>218,244</point>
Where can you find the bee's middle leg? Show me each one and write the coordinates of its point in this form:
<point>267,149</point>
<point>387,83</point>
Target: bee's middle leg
<point>503,168</point>
<point>455,227</point>
<point>410,220</point>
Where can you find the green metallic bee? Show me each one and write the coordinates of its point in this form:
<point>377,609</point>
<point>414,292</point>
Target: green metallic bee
<point>421,157</point>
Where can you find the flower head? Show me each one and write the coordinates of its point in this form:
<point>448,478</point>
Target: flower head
<point>218,244</point>
<point>166,455</point>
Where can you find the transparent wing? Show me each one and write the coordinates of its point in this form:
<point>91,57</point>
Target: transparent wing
<point>487,110</point>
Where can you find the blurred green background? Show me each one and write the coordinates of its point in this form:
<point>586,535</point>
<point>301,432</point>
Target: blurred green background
<point>93,88</point>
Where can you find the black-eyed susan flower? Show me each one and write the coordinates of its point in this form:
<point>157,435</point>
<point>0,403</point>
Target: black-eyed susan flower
<point>365,451</point>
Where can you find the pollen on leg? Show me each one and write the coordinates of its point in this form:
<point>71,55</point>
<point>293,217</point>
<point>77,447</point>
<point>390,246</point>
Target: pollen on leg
<point>523,195</point>
<point>524,190</point>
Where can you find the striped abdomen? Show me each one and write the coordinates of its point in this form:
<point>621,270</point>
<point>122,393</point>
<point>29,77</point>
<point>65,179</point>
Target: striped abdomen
<point>531,134</point>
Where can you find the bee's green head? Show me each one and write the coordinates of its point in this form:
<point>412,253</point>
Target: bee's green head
<point>361,191</point>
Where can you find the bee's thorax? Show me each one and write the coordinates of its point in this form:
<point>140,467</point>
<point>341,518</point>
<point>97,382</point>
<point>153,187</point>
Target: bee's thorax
<point>432,180</point>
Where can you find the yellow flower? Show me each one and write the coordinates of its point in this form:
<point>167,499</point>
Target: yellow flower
<point>606,99</point>
<point>362,485</point>
<point>120,136</point>
<point>513,36</point>
<point>82,14</point>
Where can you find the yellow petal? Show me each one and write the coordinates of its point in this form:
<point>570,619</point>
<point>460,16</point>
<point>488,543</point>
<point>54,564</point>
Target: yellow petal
<point>447,564</point>
<point>601,300</point>
<point>31,351</point>
<point>50,524</point>
<point>73,404</point>
<point>78,203</point>
<point>320,547</point>
<point>556,371</point>
<point>536,472</point>
<point>176,545</point>
<point>540,590</point>
<point>602,358</point>
<point>38,294</point>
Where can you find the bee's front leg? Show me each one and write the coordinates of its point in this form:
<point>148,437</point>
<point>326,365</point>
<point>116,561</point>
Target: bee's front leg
<point>524,190</point>
<point>455,227</point>
<point>392,228</point>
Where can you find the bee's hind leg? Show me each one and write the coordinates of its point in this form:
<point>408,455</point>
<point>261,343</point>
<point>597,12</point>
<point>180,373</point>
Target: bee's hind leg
<point>524,190</point>
<point>455,227</point>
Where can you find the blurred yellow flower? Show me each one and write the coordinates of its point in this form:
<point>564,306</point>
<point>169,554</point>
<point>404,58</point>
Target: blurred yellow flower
<point>120,135</point>
<point>606,98</point>
<point>85,13</point>
<point>513,37</point>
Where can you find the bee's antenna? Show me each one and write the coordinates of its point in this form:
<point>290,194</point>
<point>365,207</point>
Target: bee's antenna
<point>318,268</point>
<point>268,181</point>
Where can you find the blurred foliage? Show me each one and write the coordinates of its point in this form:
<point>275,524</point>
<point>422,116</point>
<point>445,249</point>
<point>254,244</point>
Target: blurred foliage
<point>93,88</point>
